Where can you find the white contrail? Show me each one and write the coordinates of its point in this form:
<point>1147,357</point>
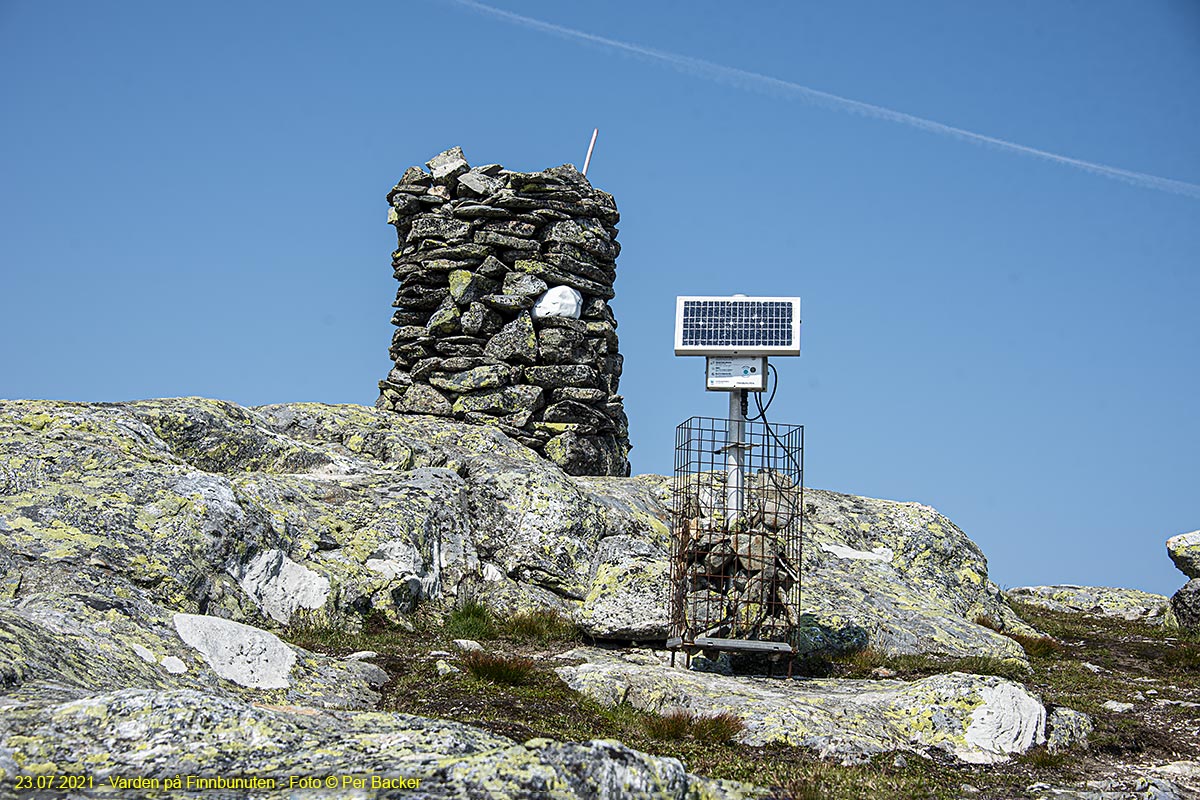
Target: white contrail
<point>753,81</point>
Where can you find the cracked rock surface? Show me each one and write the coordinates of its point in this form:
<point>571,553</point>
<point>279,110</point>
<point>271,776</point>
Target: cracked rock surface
<point>976,718</point>
<point>306,511</point>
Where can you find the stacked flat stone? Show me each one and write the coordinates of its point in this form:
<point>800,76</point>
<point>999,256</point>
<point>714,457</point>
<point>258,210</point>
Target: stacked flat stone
<point>503,315</point>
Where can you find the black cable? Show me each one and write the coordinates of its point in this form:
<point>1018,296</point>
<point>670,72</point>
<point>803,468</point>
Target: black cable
<point>762,410</point>
<point>784,491</point>
<point>762,415</point>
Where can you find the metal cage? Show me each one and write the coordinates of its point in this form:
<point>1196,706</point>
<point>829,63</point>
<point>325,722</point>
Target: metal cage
<point>738,502</point>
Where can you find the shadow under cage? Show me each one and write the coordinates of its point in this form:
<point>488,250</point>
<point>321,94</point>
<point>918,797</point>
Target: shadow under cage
<point>737,507</point>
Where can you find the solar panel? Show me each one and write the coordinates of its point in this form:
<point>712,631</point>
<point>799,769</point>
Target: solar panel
<point>743,325</point>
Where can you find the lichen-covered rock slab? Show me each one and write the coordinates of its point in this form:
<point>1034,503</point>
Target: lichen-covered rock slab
<point>113,638</point>
<point>905,573</point>
<point>1128,604</point>
<point>266,515</point>
<point>162,734</point>
<point>1184,551</point>
<point>979,719</point>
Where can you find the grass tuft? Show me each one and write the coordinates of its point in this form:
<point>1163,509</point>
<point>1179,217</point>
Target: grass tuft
<point>682,724</point>
<point>720,727</point>
<point>507,670</point>
<point>1042,758</point>
<point>472,621</point>
<point>861,662</point>
<point>314,631</point>
<point>1037,646</point>
<point>669,727</point>
<point>540,625</point>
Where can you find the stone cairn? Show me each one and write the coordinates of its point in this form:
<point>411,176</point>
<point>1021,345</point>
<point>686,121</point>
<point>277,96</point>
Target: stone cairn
<point>503,315</point>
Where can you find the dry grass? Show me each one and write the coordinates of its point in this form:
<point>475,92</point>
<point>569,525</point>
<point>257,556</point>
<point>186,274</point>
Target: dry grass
<point>681,724</point>
<point>506,670</point>
<point>541,626</point>
<point>1133,658</point>
<point>988,622</point>
<point>863,663</point>
<point>1037,646</point>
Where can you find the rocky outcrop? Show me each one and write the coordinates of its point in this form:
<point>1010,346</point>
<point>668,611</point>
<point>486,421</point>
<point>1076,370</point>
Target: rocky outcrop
<point>1128,604</point>
<point>265,515</point>
<point>1185,605</point>
<point>902,574</point>
<point>156,736</point>
<point>148,549</point>
<point>111,638</point>
<point>503,315</point>
<point>144,548</point>
<point>1184,551</point>
<point>979,719</point>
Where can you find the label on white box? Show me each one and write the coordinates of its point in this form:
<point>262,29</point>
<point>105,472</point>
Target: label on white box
<point>726,373</point>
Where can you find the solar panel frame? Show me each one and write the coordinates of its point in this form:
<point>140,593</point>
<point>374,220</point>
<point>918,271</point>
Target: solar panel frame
<point>749,326</point>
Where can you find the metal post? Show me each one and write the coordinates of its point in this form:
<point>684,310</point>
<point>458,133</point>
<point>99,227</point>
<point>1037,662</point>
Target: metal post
<point>588,160</point>
<point>735,455</point>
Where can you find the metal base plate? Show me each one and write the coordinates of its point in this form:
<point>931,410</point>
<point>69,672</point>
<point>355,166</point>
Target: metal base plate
<point>741,645</point>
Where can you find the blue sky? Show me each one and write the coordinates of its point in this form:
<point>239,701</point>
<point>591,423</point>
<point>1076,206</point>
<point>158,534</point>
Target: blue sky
<point>192,203</point>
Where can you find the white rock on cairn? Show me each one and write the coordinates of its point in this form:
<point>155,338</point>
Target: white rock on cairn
<point>559,301</point>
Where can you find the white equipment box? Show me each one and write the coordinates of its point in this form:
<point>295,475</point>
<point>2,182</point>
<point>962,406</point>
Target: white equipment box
<point>729,373</point>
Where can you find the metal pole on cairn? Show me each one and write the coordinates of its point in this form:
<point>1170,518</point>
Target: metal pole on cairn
<point>588,160</point>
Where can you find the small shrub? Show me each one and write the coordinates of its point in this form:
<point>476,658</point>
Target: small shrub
<point>1042,758</point>
<point>508,670</point>
<point>681,724</point>
<point>988,622</point>
<point>540,625</point>
<point>1186,657</point>
<point>472,621</point>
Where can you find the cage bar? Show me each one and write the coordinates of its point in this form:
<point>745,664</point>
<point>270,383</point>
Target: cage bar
<point>736,539</point>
